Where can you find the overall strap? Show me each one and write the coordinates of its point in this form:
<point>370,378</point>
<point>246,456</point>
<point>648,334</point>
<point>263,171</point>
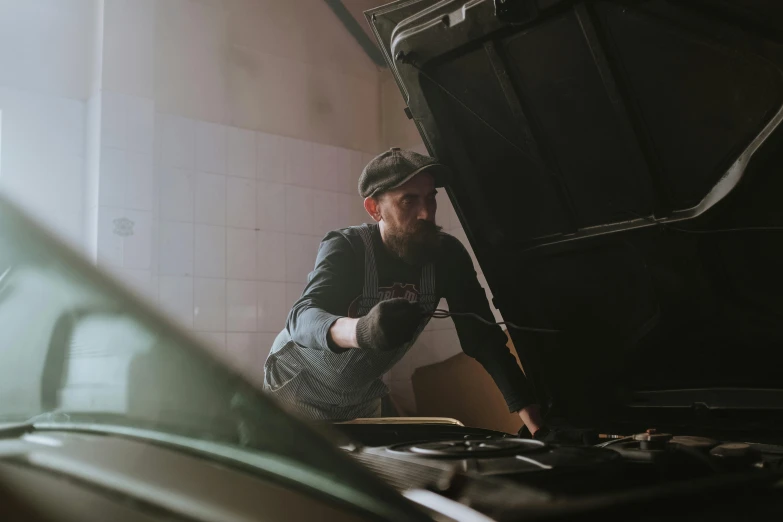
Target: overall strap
<point>370,288</point>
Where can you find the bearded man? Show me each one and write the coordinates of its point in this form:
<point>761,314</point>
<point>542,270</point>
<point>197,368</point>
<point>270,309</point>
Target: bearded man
<point>371,294</point>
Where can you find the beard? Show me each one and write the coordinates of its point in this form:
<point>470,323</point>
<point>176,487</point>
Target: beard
<point>415,244</point>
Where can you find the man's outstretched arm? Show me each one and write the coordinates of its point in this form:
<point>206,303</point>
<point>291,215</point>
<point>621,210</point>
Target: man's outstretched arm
<point>487,343</point>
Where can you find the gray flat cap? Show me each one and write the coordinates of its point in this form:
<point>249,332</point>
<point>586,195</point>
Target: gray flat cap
<point>394,167</point>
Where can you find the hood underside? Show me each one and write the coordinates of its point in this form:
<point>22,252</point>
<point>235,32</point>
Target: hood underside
<point>618,168</point>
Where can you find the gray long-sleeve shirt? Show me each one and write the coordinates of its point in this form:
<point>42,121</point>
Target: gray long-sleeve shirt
<point>335,285</point>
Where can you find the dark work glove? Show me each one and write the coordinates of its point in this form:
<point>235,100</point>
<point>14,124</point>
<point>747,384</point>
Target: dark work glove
<point>563,436</point>
<point>388,325</point>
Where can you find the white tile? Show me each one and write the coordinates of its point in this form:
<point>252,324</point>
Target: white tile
<point>350,177</point>
<point>111,178</point>
<point>299,162</point>
<point>241,351</point>
<point>214,340</point>
<point>111,245</point>
<point>210,199</point>
<point>326,167</point>
<point>138,281</point>
<point>241,202</point>
<point>271,207</point>
<point>293,291</point>
<point>271,158</point>
<point>441,324</point>
<point>140,124</point>
<point>176,248</point>
<point>113,120</point>
<point>300,254</point>
<point>345,212</point>
<point>298,210</point>
<point>178,141</point>
<point>443,215</point>
<point>326,212</point>
<point>446,344</point>
<point>367,158</point>
<point>210,251</point>
<point>330,174</point>
<point>137,247</point>
<point>209,305</point>
<point>272,306</point>
<point>358,214</point>
<point>176,298</point>
<point>423,352</point>
<point>271,256</point>
<point>241,153</point>
<point>211,144</point>
<point>139,181</point>
<point>241,252</point>
<point>241,306</point>
<point>176,194</point>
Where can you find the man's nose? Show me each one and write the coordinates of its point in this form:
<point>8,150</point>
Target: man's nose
<point>426,213</point>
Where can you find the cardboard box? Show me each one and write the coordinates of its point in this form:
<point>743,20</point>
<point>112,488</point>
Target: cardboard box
<point>460,387</point>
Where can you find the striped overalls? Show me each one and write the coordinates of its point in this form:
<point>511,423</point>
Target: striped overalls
<point>323,385</point>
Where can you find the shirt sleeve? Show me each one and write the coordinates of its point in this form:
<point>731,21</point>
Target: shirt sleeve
<point>327,296</point>
<point>484,343</point>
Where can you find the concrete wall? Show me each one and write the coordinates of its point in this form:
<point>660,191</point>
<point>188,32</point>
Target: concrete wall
<point>286,68</point>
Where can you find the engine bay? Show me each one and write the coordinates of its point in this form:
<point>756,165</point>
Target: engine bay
<point>483,468</point>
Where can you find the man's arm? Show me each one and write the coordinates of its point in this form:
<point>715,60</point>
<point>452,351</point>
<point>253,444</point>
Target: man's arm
<point>317,320</point>
<point>487,343</point>
<point>343,333</point>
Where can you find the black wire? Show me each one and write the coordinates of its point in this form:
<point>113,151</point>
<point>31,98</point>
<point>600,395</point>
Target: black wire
<point>443,314</point>
<point>708,231</point>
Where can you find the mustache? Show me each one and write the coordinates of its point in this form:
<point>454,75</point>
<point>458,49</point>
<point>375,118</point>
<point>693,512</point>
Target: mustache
<point>425,227</point>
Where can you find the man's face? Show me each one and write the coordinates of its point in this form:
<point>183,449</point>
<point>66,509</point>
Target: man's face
<point>407,217</point>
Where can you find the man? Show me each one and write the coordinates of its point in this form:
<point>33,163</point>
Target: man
<point>370,297</point>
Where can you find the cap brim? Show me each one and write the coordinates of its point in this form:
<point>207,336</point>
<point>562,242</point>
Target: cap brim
<point>440,172</point>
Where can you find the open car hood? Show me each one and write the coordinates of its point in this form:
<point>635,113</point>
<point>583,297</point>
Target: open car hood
<point>615,164</point>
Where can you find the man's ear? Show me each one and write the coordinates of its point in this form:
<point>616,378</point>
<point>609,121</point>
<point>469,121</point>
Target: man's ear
<point>373,208</point>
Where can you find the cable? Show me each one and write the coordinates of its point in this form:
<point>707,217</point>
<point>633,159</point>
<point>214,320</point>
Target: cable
<point>708,231</point>
<point>443,314</point>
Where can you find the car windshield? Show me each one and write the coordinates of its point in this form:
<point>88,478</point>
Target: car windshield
<point>77,350</point>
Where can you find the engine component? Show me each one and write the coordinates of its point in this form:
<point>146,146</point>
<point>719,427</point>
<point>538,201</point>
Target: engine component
<point>652,440</point>
<point>470,448</point>
<point>698,443</point>
<point>736,455</point>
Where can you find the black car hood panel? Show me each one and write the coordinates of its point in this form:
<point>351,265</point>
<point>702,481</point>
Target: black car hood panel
<point>594,144</point>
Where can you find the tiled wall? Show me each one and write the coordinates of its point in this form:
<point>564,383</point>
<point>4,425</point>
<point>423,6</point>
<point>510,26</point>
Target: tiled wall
<point>234,226</point>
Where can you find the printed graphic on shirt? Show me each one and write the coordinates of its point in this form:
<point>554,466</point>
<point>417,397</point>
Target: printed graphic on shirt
<point>406,291</point>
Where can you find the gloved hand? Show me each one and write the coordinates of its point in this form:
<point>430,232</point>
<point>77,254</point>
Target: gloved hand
<point>388,325</point>
<point>562,436</point>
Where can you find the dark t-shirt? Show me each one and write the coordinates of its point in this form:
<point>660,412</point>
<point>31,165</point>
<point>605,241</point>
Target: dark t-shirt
<point>336,284</point>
